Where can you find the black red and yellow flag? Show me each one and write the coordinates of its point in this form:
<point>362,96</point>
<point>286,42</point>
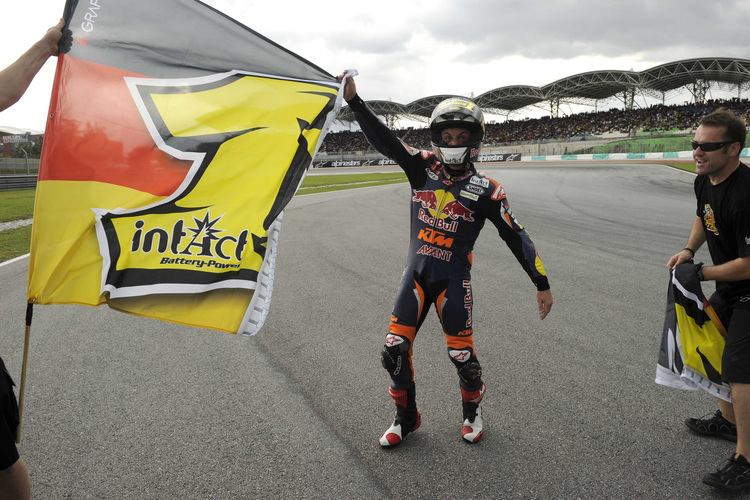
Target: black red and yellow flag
<point>175,138</point>
<point>692,338</point>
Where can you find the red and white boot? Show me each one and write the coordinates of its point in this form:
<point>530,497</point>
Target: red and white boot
<point>407,420</point>
<point>473,427</point>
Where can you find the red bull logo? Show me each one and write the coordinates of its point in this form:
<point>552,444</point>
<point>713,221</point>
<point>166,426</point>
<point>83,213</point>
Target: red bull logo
<point>447,225</point>
<point>428,199</point>
<point>468,302</point>
<point>435,203</point>
<point>454,209</point>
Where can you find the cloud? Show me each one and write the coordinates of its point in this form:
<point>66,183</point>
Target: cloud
<point>567,29</point>
<point>405,50</point>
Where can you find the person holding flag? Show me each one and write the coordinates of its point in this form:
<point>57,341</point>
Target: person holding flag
<point>723,222</point>
<point>14,80</point>
<point>450,203</point>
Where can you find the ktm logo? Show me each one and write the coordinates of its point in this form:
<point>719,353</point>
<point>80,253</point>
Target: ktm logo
<point>249,140</point>
<point>435,238</point>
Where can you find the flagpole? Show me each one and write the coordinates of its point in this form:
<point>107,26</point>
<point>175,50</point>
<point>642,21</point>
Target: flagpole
<point>22,388</point>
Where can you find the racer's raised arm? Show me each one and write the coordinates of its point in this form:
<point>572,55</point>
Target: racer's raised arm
<point>378,134</point>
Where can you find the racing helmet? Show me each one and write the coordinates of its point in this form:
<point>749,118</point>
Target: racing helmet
<point>457,112</point>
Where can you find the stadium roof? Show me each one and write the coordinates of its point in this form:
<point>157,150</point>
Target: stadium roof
<point>697,75</point>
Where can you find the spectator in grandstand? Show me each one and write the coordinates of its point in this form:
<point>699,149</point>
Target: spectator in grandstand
<point>450,204</point>
<point>14,80</point>
<point>723,222</point>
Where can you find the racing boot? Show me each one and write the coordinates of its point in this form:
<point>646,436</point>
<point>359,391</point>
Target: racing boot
<point>473,427</point>
<point>407,420</point>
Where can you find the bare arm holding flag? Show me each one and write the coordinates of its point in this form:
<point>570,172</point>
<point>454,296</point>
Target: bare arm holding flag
<point>16,78</point>
<point>734,270</point>
<point>696,239</point>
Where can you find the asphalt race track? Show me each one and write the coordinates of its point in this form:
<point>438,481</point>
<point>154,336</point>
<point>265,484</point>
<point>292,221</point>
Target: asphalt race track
<point>125,407</point>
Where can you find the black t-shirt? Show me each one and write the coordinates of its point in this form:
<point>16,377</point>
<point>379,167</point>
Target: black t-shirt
<point>725,212</point>
<point>9,419</point>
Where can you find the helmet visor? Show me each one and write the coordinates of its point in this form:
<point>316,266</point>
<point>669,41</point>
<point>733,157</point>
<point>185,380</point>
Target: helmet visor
<point>476,133</point>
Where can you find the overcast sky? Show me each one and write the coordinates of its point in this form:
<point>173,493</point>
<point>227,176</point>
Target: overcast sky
<point>408,49</point>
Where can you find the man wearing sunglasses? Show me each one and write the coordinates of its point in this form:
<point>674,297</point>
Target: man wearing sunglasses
<point>722,220</point>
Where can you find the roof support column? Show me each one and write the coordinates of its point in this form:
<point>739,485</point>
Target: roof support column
<point>555,107</point>
<point>628,97</point>
<point>700,89</point>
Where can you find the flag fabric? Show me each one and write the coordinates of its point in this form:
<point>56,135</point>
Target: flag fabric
<point>692,339</point>
<point>175,138</point>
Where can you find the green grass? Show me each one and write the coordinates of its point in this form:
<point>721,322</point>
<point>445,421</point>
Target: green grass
<point>645,145</point>
<point>658,145</point>
<point>337,182</point>
<point>15,205</point>
<point>14,242</point>
<point>682,165</point>
<point>336,179</point>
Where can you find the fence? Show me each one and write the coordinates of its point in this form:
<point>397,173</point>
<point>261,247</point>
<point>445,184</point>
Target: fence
<point>19,166</point>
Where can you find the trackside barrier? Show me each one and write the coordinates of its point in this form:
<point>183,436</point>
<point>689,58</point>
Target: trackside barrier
<point>613,156</point>
<point>15,182</point>
<point>688,155</point>
<point>515,157</point>
<point>368,162</point>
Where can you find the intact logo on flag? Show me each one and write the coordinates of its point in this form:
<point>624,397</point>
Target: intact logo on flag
<point>201,239</point>
<point>209,234</point>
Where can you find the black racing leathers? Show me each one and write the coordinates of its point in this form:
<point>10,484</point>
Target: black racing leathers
<point>447,214</point>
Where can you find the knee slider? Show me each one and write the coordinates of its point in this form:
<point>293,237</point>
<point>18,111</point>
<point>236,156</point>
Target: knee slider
<point>395,353</point>
<point>470,374</point>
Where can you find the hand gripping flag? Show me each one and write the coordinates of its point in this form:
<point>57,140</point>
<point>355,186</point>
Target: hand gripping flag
<point>175,138</point>
<point>692,339</point>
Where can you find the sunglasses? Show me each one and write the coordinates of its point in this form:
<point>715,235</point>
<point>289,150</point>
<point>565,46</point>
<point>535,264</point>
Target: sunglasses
<point>709,146</point>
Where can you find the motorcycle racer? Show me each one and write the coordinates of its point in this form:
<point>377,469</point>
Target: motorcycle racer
<point>450,204</point>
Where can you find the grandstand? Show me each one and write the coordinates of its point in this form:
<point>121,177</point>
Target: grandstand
<point>694,76</point>
<point>697,76</point>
